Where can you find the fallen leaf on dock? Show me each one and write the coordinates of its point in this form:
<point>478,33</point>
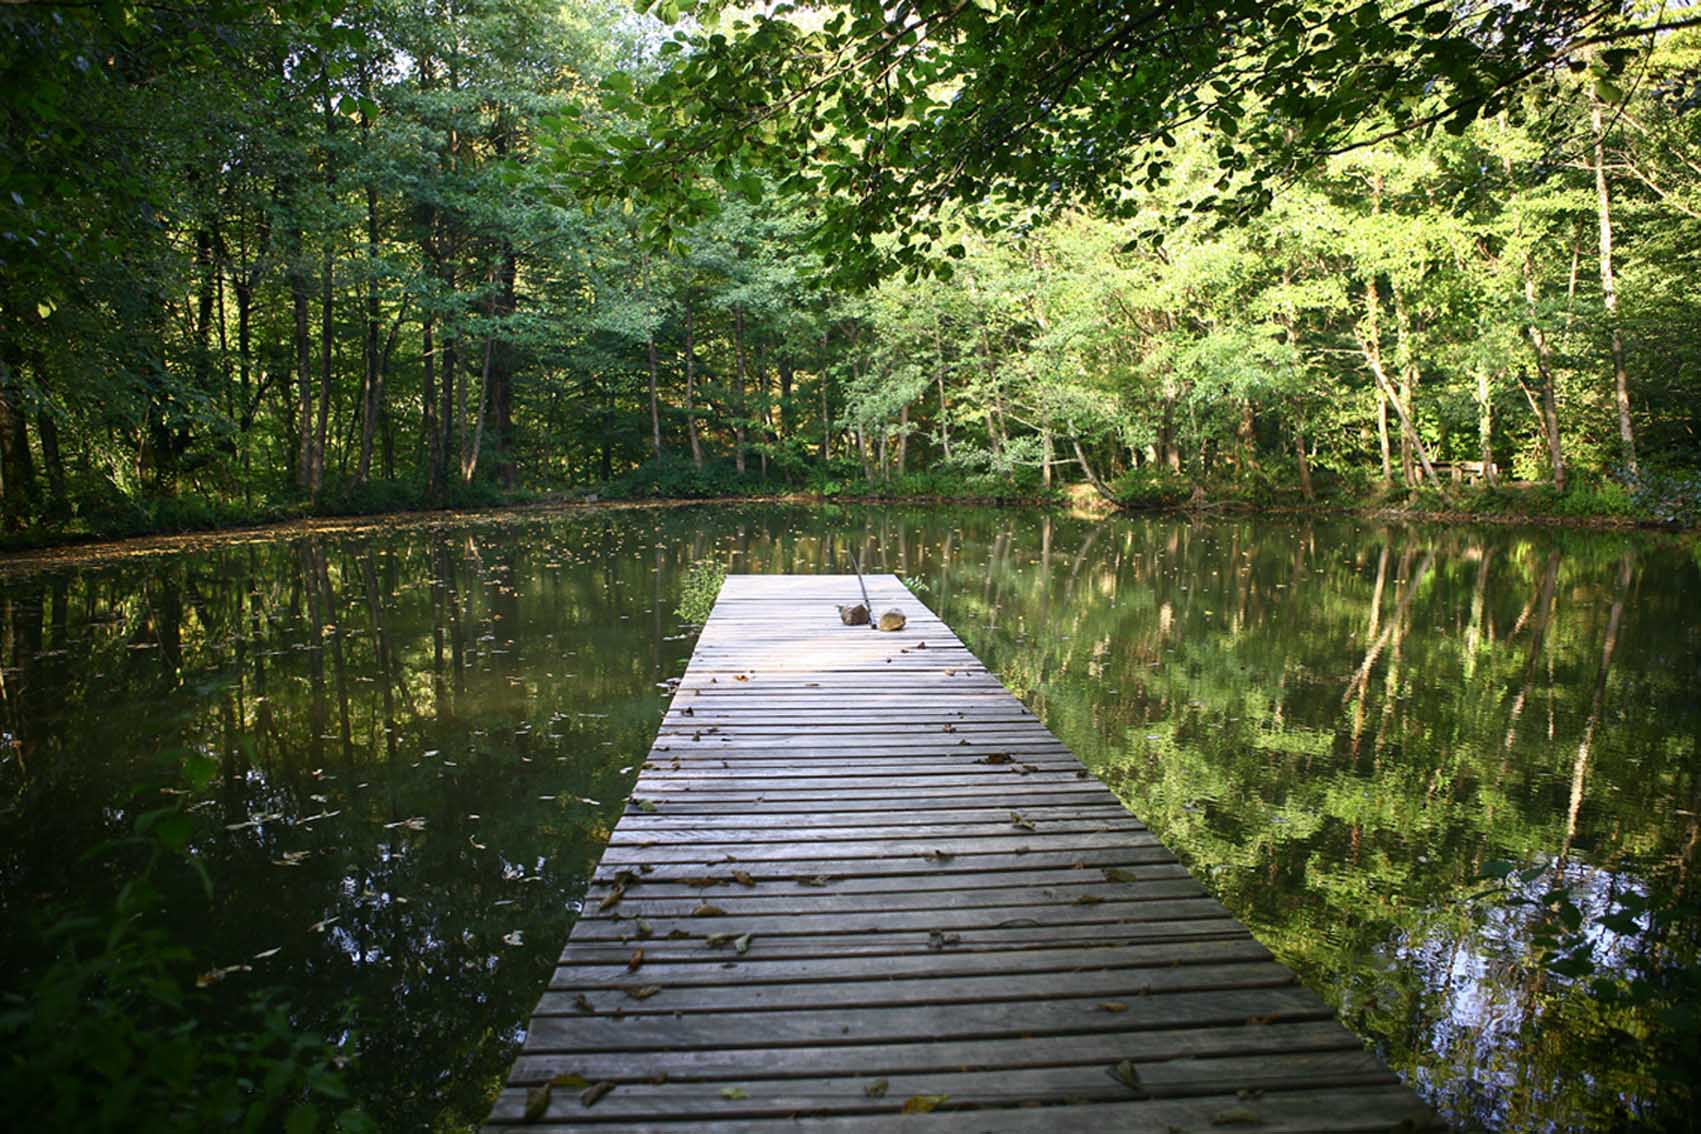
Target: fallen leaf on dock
<point>742,877</point>
<point>1236,1116</point>
<point>635,961</point>
<point>706,910</point>
<point>924,1104</point>
<point>734,1093</point>
<point>1125,1074</point>
<point>1088,900</point>
<point>1113,1006</point>
<point>876,1089</point>
<point>1117,874</point>
<point>643,993</point>
<point>590,1096</point>
<point>1016,820</point>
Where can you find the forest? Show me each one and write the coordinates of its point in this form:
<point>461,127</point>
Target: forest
<point>265,260</point>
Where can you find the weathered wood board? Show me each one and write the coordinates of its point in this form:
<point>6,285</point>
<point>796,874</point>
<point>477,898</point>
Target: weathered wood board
<point>859,888</point>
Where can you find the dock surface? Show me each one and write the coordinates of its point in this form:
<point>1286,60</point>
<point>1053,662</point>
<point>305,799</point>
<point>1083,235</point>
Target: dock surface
<point>859,887</point>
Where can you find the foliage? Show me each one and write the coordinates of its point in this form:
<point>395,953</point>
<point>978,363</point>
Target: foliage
<point>110,1032</point>
<point>676,478</point>
<point>699,589</point>
<point>901,114</point>
<point>1151,487</point>
<point>345,261</point>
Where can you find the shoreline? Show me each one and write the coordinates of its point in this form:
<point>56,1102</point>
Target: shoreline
<point>76,550</point>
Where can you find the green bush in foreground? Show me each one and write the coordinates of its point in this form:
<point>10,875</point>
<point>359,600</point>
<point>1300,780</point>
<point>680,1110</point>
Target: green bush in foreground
<point>108,1033</point>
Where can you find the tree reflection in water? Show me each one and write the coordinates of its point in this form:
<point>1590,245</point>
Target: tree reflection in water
<point>422,738</point>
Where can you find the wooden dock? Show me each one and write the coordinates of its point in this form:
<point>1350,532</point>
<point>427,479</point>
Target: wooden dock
<point>860,888</point>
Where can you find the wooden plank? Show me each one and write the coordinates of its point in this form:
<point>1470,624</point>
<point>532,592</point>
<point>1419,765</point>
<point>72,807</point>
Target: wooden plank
<point>852,857</point>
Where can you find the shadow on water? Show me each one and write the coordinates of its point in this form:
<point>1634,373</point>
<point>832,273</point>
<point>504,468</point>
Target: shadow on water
<point>420,740</point>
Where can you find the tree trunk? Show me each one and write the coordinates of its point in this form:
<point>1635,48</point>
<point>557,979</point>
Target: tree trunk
<point>469,459</point>
<point>1047,455</point>
<point>303,369</point>
<point>903,438</point>
<point>1403,354</point>
<point>1371,347</point>
<point>1382,436</point>
<point>1485,426</point>
<point>428,410</point>
<point>1087,467</point>
<point>1303,461</point>
<point>446,399</point>
<point>740,433</point>
<point>1609,291</point>
<point>655,397</point>
<point>691,386</point>
<point>788,376</point>
<point>326,329</point>
<point>1548,412</point>
<point>826,411</point>
<point>369,393</point>
<point>17,471</point>
<point>1405,422</point>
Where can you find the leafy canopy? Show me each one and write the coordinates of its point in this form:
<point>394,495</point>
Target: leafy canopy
<point>889,117</point>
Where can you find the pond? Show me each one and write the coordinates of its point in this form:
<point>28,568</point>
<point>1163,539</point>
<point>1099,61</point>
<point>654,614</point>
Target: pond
<point>394,756</point>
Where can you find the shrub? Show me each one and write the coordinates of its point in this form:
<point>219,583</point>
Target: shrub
<point>1668,496</point>
<point>1153,486</point>
<point>676,477</point>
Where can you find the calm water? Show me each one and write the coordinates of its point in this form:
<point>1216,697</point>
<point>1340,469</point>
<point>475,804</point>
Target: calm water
<point>399,751</point>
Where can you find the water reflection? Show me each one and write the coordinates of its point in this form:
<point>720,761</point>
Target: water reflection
<point>421,737</point>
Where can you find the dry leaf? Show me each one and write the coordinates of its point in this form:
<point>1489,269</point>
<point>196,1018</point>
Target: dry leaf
<point>706,910</point>
<point>1118,874</point>
<point>1236,1116</point>
<point>1114,1006</point>
<point>590,1096</point>
<point>734,1093</point>
<point>635,961</point>
<point>643,993</point>
<point>742,877</point>
<point>1016,820</point>
<point>923,1104</point>
<point>743,943</point>
<point>1087,900</point>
